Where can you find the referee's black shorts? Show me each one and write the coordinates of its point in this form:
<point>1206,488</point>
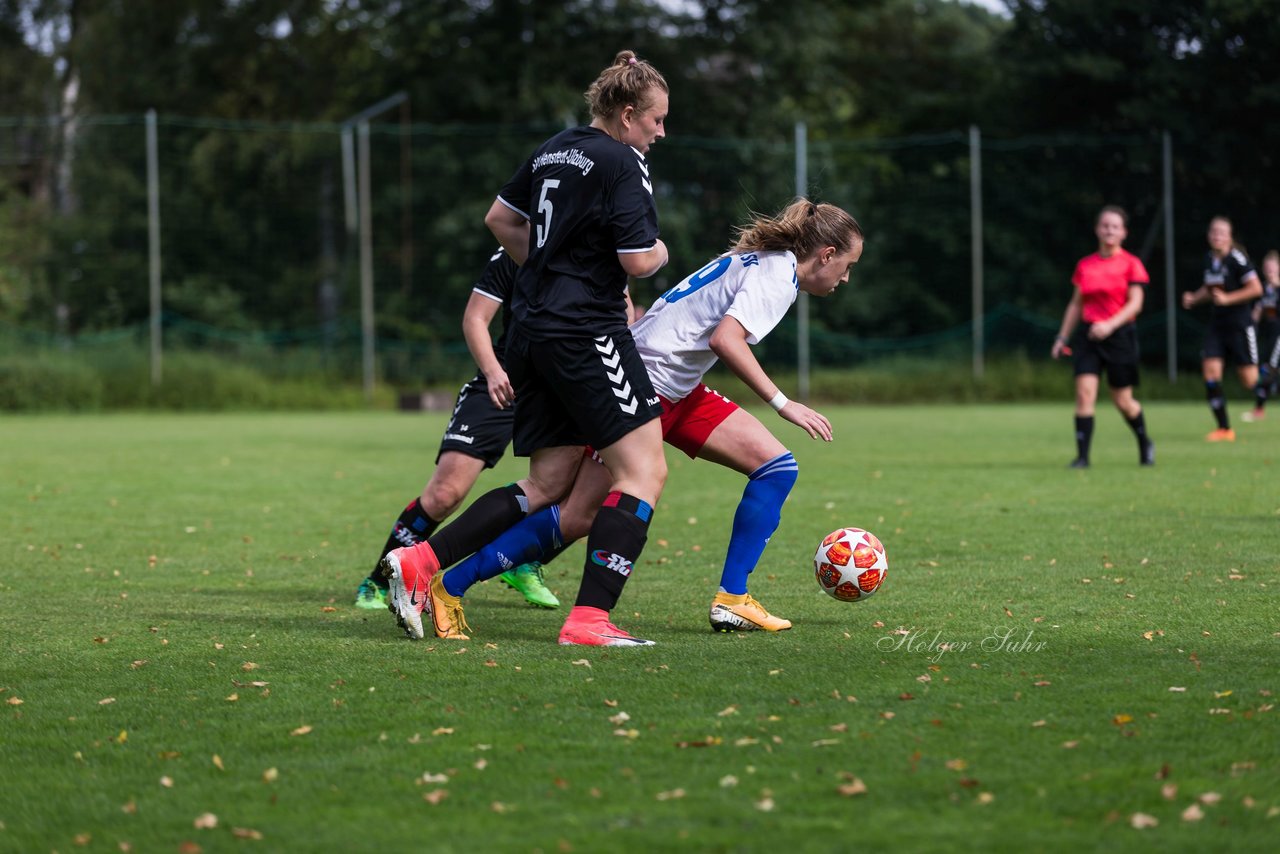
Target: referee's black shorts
<point>1239,344</point>
<point>577,391</point>
<point>477,428</point>
<point>1117,354</point>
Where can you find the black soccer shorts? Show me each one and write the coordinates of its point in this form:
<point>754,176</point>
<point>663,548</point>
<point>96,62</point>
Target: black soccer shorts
<point>577,391</point>
<point>477,428</point>
<point>1239,344</point>
<point>1117,354</point>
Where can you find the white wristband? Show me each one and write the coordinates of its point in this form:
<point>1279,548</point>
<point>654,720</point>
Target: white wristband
<point>778,401</point>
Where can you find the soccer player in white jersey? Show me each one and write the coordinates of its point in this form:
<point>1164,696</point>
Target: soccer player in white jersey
<point>714,314</point>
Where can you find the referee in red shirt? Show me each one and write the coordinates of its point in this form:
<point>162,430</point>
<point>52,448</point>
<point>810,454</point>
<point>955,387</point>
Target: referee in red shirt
<point>1108,298</point>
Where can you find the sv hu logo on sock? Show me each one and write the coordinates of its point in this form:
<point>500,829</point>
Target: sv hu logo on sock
<point>615,562</point>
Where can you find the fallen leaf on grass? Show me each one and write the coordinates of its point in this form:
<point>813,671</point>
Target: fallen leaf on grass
<point>1070,745</point>
<point>1169,791</point>
<point>189,847</point>
<point>207,821</point>
<point>435,796</point>
<point>106,701</point>
<point>217,762</point>
<point>1043,683</point>
<point>709,741</point>
<point>102,640</point>
<point>731,710</point>
<point>1178,689</point>
<point>674,794</point>
<point>167,782</point>
<point>613,704</point>
<point>957,764</point>
<point>270,775</point>
<point>581,662</point>
<point>728,781</point>
<point>1192,813</point>
<point>82,839</point>
<point>499,807</point>
<point>1210,798</point>
<point>302,730</point>
<point>1038,723</point>
<point>627,733</point>
<point>130,808</point>
<point>248,665</point>
<point>246,833</point>
<point>442,730</point>
<point>14,701</point>
<point>1141,821</point>
<point>328,609</point>
<point>619,719</point>
<point>852,788</point>
<point>428,777</point>
<point>764,804</point>
<point>825,742</point>
<point>1121,720</point>
<point>985,797</point>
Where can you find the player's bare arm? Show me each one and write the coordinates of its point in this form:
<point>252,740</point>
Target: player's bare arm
<point>641,265</point>
<point>729,343</point>
<point>511,229</point>
<point>479,313</point>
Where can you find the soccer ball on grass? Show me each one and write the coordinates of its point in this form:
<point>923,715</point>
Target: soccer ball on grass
<point>850,564</point>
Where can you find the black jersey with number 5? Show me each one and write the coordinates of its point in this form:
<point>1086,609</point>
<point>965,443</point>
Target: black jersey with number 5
<point>587,197</point>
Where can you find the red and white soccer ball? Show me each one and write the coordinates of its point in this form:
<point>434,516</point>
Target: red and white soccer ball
<point>850,564</point>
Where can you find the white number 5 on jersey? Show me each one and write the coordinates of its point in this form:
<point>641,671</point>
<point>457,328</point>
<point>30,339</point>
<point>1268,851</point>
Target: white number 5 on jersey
<point>545,208</point>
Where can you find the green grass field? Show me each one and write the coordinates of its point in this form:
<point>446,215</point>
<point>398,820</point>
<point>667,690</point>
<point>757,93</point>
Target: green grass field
<point>183,670</point>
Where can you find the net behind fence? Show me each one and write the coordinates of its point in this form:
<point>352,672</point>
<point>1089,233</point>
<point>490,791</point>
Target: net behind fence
<point>260,243</point>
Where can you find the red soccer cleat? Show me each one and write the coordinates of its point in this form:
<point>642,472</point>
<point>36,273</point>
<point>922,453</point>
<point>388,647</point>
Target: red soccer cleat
<point>409,572</point>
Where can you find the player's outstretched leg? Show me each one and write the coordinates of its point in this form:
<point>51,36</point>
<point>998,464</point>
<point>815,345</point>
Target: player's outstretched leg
<point>757,517</point>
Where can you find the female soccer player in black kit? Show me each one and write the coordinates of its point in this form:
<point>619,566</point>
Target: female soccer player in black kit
<point>579,217</point>
<point>1267,321</point>
<point>1230,285</point>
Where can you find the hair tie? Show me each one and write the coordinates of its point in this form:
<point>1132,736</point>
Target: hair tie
<point>631,61</point>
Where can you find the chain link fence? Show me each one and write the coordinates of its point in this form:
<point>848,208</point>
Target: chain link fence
<point>259,238</point>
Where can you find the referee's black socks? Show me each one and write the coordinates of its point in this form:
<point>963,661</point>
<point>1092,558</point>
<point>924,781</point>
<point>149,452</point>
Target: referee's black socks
<point>1084,436</point>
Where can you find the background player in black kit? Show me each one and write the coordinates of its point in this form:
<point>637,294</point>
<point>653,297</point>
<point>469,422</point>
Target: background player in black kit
<point>579,216</point>
<point>1230,285</point>
<point>1266,319</point>
<point>475,439</point>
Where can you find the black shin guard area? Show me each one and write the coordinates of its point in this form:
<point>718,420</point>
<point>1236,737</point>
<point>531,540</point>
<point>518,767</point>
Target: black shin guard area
<point>617,537</point>
<point>486,518</point>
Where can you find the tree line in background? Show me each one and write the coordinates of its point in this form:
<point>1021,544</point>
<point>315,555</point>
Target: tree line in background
<point>1071,97</point>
